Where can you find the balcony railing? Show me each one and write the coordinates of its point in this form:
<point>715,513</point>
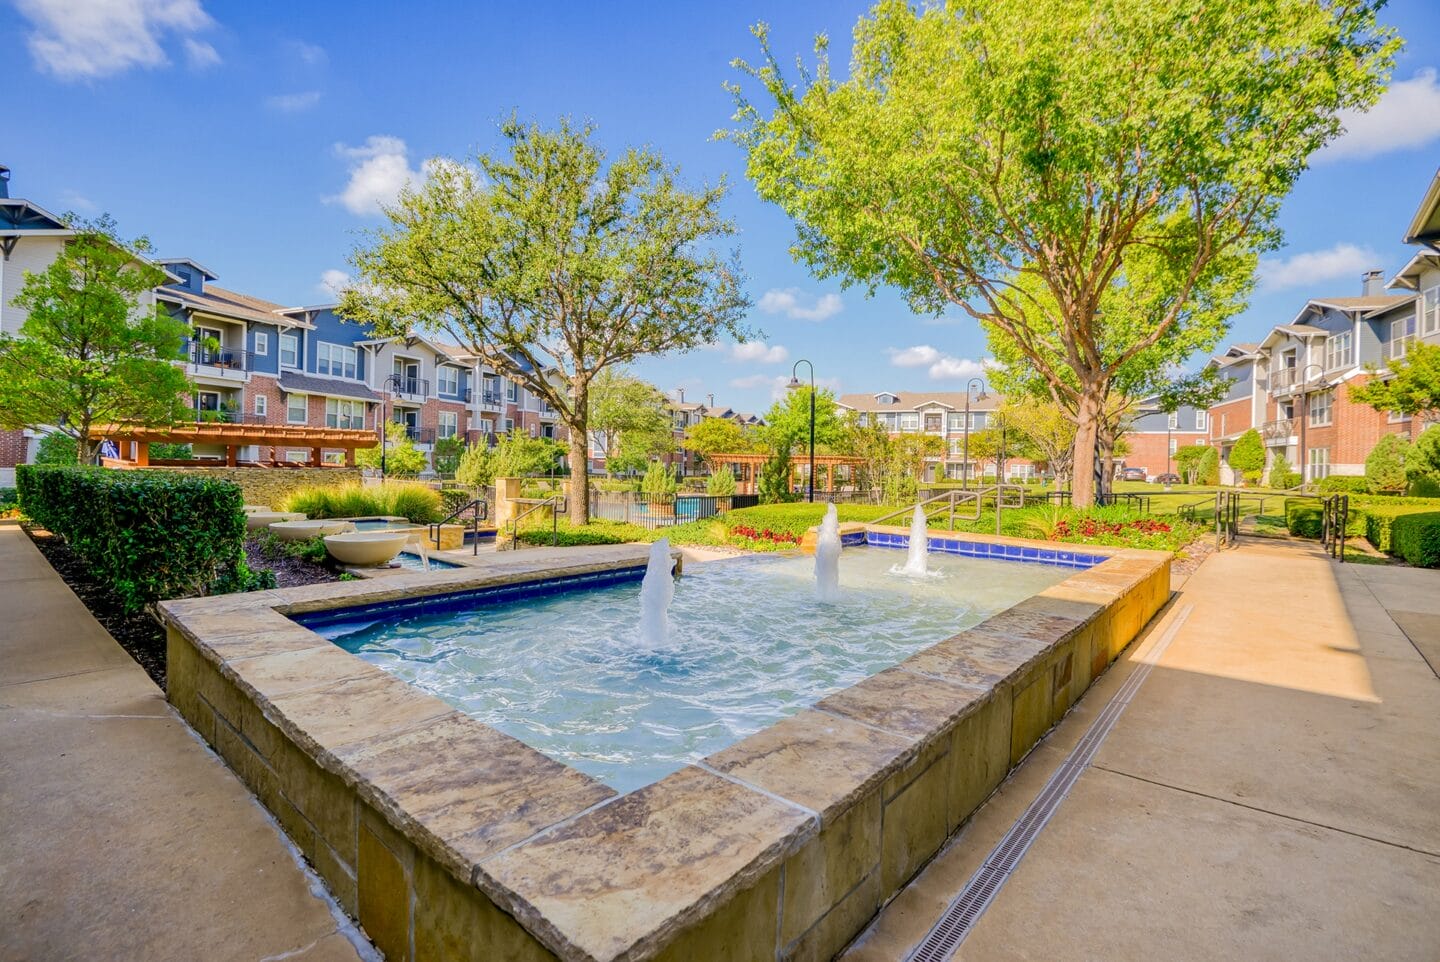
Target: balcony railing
<point>546,411</point>
<point>224,358</point>
<point>1289,378</point>
<point>228,417</point>
<point>420,435</point>
<point>1280,431</point>
<point>398,384</point>
<point>491,399</point>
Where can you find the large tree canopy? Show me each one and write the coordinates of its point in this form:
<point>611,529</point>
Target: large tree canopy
<point>630,419</point>
<point>980,151</point>
<point>552,265</point>
<point>94,349</point>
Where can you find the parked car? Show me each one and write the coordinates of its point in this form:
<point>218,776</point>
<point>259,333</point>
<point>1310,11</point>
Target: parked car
<point>1133,474</point>
<point>1167,479</point>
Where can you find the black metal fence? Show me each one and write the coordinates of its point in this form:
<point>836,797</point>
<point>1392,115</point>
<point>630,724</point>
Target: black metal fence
<point>663,512</point>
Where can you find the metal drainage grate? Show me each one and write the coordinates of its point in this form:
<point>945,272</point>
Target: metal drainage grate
<point>962,913</point>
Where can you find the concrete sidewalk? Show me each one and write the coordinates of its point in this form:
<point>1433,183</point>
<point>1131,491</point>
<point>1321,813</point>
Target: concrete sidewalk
<point>121,836</point>
<point>1270,792</point>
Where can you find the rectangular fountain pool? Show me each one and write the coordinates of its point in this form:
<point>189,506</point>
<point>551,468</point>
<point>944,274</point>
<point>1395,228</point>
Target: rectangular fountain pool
<point>563,667</point>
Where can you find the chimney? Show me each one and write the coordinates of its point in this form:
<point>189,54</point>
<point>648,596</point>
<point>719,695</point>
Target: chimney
<point>4,181</point>
<point>680,393</point>
<point>1373,282</point>
<point>709,400</point>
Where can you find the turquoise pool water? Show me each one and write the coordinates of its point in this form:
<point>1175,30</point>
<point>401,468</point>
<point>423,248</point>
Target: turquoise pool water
<point>381,524</point>
<point>749,645</point>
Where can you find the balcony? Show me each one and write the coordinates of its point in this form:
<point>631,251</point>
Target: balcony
<point>228,417</point>
<point>548,412</point>
<point>491,400</point>
<point>1279,432</point>
<point>1287,380</point>
<point>419,435</point>
<point>225,362</point>
<point>414,387</point>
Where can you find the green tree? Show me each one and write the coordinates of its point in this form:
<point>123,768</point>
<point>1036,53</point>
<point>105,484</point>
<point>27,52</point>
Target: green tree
<point>445,456</point>
<point>773,484</point>
<point>721,482</point>
<point>401,459</point>
<point>1046,428</point>
<point>714,436</point>
<point>1283,476</point>
<point>476,467</point>
<point>659,484</point>
<point>1412,386</point>
<point>977,152</point>
<point>1385,465</point>
<point>1248,456</point>
<point>788,421</point>
<point>92,351</point>
<point>56,448</point>
<point>1190,460</point>
<point>869,442</point>
<point>552,266</point>
<point>518,455</point>
<point>1422,462</point>
<point>631,420</point>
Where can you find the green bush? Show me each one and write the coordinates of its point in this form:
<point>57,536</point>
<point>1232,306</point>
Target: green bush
<point>798,517</point>
<point>1416,538</point>
<point>58,450</point>
<point>1385,466</point>
<point>148,535</point>
<point>1424,488</point>
<point>1343,484</point>
<point>1423,461</point>
<point>1380,518</point>
<point>721,482</point>
<point>415,502</point>
<point>659,485</point>
<point>1282,476</point>
<point>1248,456</point>
<point>160,451</point>
<point>1305,518</point>
<point>1209,469</point>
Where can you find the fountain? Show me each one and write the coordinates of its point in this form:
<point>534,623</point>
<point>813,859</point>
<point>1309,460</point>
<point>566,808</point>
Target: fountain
<point>417,546</point>
<point>656,592</point>
<point>915,562</point>
<point>827,558</point>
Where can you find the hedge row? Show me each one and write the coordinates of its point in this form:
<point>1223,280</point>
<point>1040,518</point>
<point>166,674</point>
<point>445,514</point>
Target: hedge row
<point>1305,518</point>
<point>149,535</point>
<point>1416,538</point>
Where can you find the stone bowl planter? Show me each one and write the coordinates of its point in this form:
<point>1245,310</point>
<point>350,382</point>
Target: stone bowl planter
<point>366,548</point>
<point>259,520</point>
<point>305,530</point>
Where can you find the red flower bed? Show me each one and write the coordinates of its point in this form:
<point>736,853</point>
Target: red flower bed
<point>764,534</point>
<point>1093,528</point>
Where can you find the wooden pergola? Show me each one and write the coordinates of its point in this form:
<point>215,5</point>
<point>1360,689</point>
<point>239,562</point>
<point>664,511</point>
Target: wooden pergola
<point>133,442</point>
<point>747,468</point>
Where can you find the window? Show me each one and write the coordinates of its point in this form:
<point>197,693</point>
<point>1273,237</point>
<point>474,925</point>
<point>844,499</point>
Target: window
<point>262,342</point>
<point>340,413</point>
<point>448,379</point>
<point>1319,412</point>
<point>449,424</point>
<point>1174,444</point>
<point>1172,421</point>
<point>956,422</point>
<point>512,391</point>
<point>302,457</point>
<point>509,424</point>
<point>289,350</point>
<point>295,405</point>
<point>864,419</point>
<point>910,422</point>
<point>261,404</point>
<point>1319,463</point>
<point>1202,420</point>
<point>1338,351</point>
<point>1429,308</point>
<point>1396,416</point>
<point>1402,332</point>
<point>933,422</point>
<point>977,421</point>
<point>487,425</point>
<point>336,360</point>
<point>547,431</point>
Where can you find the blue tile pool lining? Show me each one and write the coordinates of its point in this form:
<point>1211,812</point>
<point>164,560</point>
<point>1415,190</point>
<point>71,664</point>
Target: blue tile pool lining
<point>1057,557</point>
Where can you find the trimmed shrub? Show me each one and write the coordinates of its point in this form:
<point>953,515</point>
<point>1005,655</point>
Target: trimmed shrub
<point>1305,518</point>
<point>1380,518</point>
<point>1424,488</point>
<point>721,482</point>
<point>1423,461</point>
<point>148,535</point>
<point>659,484</point>
<point>1248,456</point>
<point>1416,538</point>
<point>1343,484</point>
<point>1282,476</point>
<point>415,502</point>
<point>1385,465</point>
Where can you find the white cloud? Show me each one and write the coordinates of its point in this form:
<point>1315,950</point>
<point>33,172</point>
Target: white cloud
<point>80,39</point>
<point>1406,116</point>
<point>1343,261</point>
<point>760,352</point>
<point>379,168</point>
<point>76,201</point>
<point>939,366</point>
<point>750,381</point>
<point>309,53</point>
<point>293,103</point>
<point>791,302</point>
<point>200,54</point>
<point>333,282</point>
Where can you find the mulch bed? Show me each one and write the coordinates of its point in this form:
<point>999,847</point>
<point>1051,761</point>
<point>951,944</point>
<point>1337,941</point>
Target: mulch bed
<point>141,634</point>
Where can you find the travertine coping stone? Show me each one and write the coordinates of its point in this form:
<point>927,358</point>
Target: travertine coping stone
<point>618,882</point>
<point>904,703</point>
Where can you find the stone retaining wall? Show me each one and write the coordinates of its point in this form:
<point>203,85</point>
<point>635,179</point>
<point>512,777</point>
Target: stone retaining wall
<point>449,840</point>
<point>270,486</point>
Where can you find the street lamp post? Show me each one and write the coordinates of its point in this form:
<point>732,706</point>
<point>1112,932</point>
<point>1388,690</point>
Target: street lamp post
<point>795,386</point>
<point>1301,455</point>
<point>965,457</point>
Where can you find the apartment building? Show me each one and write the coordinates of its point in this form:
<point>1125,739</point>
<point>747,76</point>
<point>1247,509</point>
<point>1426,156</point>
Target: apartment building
<point>1295,385</point>
<point>1155,435</point>
<point>256,361</point>
<point>684,415</point>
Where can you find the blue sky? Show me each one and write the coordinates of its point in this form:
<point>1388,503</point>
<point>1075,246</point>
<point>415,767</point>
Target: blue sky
<point>256,139</point>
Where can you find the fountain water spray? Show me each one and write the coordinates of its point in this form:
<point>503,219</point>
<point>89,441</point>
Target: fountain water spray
<point>417,546</point>
<point>656,592</point>
<point>915,562</point>
<point>827,558</point>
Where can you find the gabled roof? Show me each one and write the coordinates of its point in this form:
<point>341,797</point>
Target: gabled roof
<point>1403,300</point>
<point>225,303</point>
<point>294,382</point>
<point>1425,225</point>
<point>204,271</point>
<point>914,400</point>
<point>18,216</point>
<point>1234,354</point>
<point>1408,277</point>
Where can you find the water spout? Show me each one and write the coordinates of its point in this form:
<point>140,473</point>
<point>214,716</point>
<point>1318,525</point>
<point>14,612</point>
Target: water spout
<point>915,562</point>
<point>656,592</point>
<point>417,546</point>
<point>827,558</point>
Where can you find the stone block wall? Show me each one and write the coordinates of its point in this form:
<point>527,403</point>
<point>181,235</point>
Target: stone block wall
<point>270,486</point>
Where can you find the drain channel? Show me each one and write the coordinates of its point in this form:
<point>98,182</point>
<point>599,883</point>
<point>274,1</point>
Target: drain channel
<point>962,913</point>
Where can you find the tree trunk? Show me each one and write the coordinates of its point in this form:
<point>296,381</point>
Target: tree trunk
<point>1087,426</point>
<point>579,477</point>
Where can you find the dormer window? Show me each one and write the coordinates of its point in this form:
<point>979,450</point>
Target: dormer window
<point>887,399</point>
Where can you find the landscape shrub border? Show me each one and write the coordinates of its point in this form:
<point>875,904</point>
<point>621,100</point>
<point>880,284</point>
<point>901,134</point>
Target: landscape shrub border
<point>148,535</point>
<point>1415,537</point>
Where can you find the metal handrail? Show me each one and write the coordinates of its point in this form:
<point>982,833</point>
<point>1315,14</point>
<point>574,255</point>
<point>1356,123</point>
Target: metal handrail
<point>556,501</point>
<point>957,496</point>
<point>480,511</point>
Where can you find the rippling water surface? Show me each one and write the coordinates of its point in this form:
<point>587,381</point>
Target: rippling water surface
<point>749,645</point>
